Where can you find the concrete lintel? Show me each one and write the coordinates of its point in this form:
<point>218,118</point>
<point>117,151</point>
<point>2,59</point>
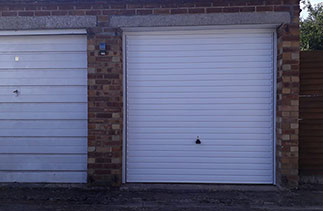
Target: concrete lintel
<point>276,18</point>
<point>47,22</point>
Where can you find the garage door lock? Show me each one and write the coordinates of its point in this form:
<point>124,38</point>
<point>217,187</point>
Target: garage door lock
<point>198,141</point>
<point>16,92</point>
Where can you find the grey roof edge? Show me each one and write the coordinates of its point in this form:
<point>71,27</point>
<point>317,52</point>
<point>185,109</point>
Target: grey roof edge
<point>47,22</point>
<point>275,18</point>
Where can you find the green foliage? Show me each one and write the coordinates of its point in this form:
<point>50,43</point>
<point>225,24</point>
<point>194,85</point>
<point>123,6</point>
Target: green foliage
<point>312,27</point>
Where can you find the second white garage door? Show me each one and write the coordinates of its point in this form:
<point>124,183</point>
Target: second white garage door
<point>43,108</point>
<point>212,85</point>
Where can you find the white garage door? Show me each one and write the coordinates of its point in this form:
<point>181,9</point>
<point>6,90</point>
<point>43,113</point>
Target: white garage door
<point>211,85</point>
<point>43,108</point>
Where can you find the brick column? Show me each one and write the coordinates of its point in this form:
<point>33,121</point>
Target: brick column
<point>105,96</point>
<point>288,102</point>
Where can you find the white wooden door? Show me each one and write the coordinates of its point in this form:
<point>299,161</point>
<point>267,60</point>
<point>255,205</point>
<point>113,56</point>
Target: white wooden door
<point>211,85</point>
<point>43,108</point>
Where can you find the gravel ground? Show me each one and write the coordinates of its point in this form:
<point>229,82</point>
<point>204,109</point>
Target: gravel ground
<point>22,197</point>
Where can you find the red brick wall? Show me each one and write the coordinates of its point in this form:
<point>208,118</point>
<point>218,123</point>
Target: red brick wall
<point>105,72</point>
<point>141,7</point>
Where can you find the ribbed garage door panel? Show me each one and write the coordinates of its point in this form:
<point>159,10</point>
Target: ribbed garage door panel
<point>215,85</point>
<point>43,128</point>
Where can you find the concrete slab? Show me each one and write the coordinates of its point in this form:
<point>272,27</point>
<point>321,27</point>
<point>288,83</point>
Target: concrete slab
<point>47,22</point>
<point>275,18</point>
<point>198,187</point>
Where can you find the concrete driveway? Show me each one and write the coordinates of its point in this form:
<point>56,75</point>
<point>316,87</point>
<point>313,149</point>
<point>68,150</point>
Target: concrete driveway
<point>159,197</point>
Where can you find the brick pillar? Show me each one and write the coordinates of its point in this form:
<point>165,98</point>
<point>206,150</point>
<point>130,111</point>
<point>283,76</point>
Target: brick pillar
<point>288,103</point>
<point>105,96</point>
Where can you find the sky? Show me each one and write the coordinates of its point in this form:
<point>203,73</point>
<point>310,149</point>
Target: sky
<point>304,13</point>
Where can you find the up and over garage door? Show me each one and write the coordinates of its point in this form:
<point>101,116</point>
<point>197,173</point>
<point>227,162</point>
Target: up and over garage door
<point>200,106</point>
<point>43,108</point>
